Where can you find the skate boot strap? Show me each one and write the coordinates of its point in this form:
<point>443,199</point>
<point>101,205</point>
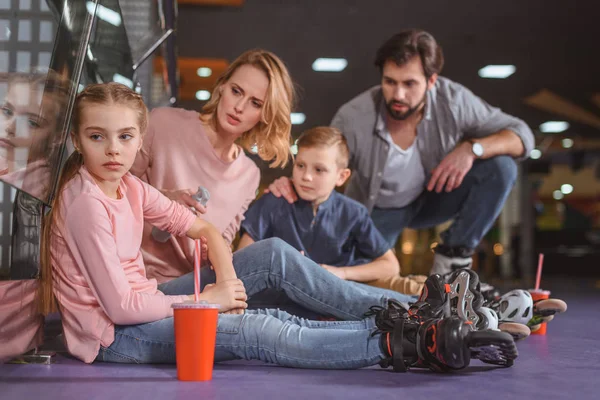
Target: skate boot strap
<point>404,353</point>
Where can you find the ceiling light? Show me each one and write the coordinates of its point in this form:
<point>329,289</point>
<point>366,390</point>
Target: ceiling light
<point>204,72</point>
<point>329,64</point>
<point>567,143</point>
<point>535,154</point>
<point>104,13</point>
<point>554,126</point>
<point>203,95</point>
<point>557,195</point>
<point>497,71</point>
<point>566,189</point>
<point>298,118</point>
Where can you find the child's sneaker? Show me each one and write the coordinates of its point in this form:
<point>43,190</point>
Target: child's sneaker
<point>443,344</point>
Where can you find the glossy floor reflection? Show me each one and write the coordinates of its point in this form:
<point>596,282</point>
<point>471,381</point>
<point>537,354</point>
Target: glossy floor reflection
<point>563,364</point>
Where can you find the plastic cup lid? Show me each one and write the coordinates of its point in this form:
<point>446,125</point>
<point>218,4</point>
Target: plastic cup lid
<point>540,291</point>
<point>194,305</point>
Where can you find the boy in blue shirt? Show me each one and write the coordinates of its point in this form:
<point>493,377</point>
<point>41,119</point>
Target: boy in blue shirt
<point>331,229</point>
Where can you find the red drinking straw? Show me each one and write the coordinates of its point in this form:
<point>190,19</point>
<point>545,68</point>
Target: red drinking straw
<point>538,277</point>
<point>197,271</point>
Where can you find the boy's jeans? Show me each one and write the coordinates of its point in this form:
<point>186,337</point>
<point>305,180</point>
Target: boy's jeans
<point>274,264</point>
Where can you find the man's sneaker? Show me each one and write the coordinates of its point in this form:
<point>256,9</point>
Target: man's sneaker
<point>447,260</point>
<point>443,344</point>
<point>443,264</point>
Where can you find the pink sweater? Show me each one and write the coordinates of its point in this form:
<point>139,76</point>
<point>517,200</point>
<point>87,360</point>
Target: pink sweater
<point>20,323</point>
<point>177,155</point>
<point>99,275</point>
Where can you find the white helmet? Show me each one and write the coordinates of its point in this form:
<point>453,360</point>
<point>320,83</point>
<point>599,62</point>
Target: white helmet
<point>488,319</point>
<point>514,306</point>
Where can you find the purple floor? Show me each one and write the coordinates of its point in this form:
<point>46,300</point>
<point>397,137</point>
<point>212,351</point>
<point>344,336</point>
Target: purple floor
<point>563,364</point>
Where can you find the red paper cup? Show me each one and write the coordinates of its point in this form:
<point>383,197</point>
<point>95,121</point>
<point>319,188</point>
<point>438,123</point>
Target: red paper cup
<point>539,294</point>
<point>195,337</point>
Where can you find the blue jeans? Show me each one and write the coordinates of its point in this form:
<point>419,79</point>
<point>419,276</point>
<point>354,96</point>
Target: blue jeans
<point>274,264</point>
<point>474,206</point>
<point>272,336</point>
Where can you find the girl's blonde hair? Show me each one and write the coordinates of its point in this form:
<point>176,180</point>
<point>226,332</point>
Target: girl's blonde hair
<point>272,134</point>
<point>104,94</point>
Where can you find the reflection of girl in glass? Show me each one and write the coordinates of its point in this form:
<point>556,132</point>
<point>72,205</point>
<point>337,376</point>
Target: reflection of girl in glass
<point>31,115</point>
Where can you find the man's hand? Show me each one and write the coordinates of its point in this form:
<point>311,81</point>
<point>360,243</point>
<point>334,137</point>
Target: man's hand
<point>283,187</point>
<point>337,271</point>
<point>185,197</point>
<point>452,170</point>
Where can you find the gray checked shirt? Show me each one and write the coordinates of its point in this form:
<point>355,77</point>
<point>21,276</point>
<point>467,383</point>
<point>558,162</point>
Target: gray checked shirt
<point>452,113</point>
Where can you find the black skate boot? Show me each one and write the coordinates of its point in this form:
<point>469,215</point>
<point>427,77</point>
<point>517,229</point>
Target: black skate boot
<point>433,301</point>
<point>443,345</point>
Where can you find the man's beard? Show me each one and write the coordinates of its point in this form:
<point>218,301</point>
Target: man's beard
<point>401,116</point>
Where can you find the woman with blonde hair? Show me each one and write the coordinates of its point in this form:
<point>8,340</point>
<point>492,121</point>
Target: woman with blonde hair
<point>249,110</point>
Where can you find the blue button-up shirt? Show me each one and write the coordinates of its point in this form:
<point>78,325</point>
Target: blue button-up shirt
<point>340,234</point>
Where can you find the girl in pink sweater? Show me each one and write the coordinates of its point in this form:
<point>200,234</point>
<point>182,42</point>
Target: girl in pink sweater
<point>112,312</point>
<point>250,106</point>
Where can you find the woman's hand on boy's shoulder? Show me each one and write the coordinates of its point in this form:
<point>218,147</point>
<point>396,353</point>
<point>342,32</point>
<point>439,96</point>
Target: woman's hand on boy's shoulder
<point>283,187</point>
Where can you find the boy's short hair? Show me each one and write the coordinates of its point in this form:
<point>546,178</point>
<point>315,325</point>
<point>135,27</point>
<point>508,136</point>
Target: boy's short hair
<point>326,136</point>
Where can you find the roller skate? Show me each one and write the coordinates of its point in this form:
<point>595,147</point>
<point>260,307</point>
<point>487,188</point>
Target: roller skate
<point>454,294</point>
<point>518,307</point>
<point>431,334</point>
<point>468,303</point>
<point>443,345</point>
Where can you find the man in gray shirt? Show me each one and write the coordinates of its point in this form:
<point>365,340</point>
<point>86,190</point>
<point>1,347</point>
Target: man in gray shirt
<point>425,150</point>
